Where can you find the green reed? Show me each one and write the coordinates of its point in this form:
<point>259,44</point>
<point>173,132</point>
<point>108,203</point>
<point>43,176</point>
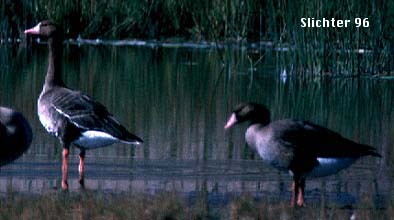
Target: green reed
<point>312,50</point>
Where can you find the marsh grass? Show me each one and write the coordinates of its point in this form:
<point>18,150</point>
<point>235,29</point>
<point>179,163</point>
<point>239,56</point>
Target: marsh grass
<point>247,208</point>
<point>170,205</point>
<point>348,51</point>
<point>93,205</point>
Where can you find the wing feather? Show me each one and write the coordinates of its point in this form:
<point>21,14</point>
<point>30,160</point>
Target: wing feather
<point>322,142</point>
<point>87,114</point>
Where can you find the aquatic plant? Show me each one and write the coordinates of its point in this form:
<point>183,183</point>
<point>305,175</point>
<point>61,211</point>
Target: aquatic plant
<point>351,51</point>
<point>170,205</point>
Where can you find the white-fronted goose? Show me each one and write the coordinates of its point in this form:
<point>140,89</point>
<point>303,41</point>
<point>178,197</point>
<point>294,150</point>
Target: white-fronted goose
<point>15,135</point>
<point>300,147</point>
<point>71,116</point>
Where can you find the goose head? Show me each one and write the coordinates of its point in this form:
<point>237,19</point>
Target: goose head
<point>46,28</point>
<point>253,112</point>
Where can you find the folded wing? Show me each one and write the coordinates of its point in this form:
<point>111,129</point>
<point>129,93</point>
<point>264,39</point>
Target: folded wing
<point>89,115</point>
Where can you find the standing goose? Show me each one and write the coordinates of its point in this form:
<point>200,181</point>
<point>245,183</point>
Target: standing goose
<point>300,147</point>
<point>15,135</point>
<point>71,116</point>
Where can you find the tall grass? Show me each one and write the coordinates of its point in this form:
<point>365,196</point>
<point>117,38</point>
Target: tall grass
<point>350,51</point>
<point>315,50</point>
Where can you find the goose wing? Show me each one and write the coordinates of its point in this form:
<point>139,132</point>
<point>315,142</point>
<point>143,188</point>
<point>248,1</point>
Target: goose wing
<point>318,141</point>
<point>308,142</point>
<point>87,114</point>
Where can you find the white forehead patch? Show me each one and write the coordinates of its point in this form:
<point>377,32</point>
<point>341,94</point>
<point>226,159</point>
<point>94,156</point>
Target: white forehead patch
<point>34,30</point>
<point>37,27</point>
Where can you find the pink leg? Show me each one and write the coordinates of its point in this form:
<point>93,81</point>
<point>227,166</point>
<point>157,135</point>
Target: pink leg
<point>297,197</point>
<point>300,199</point>
<point>293,194</point>
<point>81,168</point>
<point>65,168</point>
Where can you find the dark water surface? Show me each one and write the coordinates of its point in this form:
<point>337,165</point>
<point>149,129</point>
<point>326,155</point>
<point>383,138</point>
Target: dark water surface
<point>177,101</point>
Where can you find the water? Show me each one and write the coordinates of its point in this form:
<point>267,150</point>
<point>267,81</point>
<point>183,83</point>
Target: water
<point>178,100</point>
